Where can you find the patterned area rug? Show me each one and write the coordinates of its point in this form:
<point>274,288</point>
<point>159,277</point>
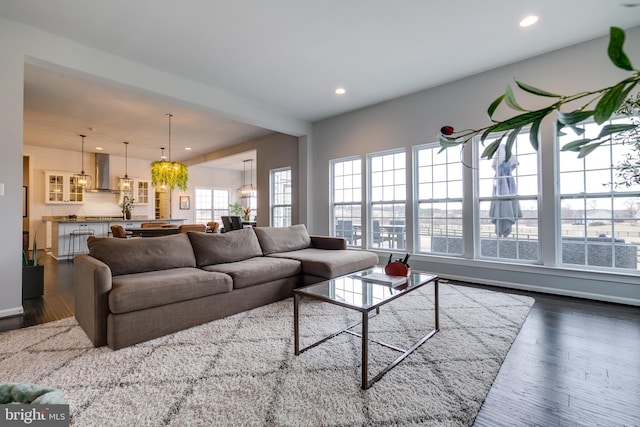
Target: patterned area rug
<point>241,370</point>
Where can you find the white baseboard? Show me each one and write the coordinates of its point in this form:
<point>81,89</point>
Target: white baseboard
<point>548,290</point>
<point>10,312</point>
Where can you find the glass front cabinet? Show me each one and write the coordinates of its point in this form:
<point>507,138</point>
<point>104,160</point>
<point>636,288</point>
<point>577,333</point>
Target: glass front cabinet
<point>61,188</point>
<point>142,188</point>
<point>139,192</point>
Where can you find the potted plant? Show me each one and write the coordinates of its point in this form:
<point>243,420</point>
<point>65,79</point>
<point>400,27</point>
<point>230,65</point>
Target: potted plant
<point>32,273</point>
<point>235,209</point>
<point>127,206</point>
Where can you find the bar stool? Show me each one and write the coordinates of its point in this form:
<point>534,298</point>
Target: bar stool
<point>78,236</point>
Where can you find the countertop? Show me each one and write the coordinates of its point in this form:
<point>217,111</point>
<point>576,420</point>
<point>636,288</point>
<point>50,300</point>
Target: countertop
<point>65,218</point>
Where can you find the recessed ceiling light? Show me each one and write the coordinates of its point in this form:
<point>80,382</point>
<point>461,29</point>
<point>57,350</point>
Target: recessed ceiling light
<point>99,148</point>
<point>187,148</point>
<point>528,21</point>
<point>340,91</point>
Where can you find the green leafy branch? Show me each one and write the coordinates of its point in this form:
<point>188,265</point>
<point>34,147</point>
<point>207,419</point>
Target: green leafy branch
<point>127,204</point>
<point>628,170</point>
<point>607,101</point>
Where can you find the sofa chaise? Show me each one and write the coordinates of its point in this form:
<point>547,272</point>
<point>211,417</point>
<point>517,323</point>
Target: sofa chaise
<point>132,290</point>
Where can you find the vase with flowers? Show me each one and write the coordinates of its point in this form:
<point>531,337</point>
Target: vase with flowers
<point>127,206</point>
<point>245,213</point>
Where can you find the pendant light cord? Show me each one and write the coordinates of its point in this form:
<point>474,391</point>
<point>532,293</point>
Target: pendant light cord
<point>82,159</point>
<point>126,156</point>
<point>169,115</point>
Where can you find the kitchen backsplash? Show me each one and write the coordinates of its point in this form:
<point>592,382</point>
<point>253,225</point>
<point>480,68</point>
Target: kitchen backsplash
<point>97,204</point>
<point>100,204</point>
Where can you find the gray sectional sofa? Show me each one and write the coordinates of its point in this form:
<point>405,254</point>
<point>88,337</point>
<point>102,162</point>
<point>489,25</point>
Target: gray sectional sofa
<point>132,290</point>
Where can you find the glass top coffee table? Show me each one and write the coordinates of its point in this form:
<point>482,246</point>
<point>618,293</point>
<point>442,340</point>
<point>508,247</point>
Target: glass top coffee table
<point>357,292</point>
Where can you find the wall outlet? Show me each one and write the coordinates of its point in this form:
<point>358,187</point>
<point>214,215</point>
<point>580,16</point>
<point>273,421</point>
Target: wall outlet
<point>1,189</point>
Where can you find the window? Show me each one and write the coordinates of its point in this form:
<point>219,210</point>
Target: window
<point>388,193</point>
<point>507,222</point>
<point>346,195</point>
<point>599,222</point>
<point>439,200</point>
<point>211,204</point>
<point>281,197</point>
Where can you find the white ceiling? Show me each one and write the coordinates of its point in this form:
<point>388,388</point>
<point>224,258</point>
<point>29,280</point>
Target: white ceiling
<point>59,107</point>
<point>289,55</point>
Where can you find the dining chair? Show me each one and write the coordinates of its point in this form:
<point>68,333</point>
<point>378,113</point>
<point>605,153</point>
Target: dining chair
<point>152,224</point>
<point>183,228</point>
<point>119,231</point>
<point>378,235</point>
<point>236,223</point>
<point>344,229</point>
<point>226,224</point>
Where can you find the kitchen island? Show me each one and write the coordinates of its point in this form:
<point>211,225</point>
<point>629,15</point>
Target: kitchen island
<point>69,234</point>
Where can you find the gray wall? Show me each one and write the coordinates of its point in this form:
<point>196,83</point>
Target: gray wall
<point>415,119</point>
<point>272,151</point>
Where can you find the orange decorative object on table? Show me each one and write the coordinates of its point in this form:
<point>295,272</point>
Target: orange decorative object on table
<point>397,269</point>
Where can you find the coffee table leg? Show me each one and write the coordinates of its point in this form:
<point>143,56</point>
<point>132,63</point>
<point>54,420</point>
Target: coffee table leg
<point>437,304</point>
<point>365,350</point>
<point>296,325</point>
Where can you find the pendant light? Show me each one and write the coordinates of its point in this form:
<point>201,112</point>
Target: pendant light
<point>126,183</point>
<point>82,179</point>
<point>167,173</point>
<point>247,191</point>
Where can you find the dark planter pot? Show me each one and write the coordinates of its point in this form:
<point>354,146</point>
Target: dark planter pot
<point>32,281</point>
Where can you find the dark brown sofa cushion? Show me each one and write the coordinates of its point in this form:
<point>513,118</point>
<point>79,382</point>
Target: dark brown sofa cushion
<point>139,291</point>
<point>214,248</point>
<point>329,264</point>
<point>126,256</point>
<point>283,239</point>
<point>258,270</point>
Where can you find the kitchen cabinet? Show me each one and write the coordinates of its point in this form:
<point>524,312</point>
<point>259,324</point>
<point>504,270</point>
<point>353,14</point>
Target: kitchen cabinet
<point>142,188</point>
<point>70,238</point>
<point>62,188</point>
<point>139,192</point>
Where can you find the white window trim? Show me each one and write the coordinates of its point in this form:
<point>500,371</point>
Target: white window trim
<point>195,205</point>
<point>414,202</point>
<point>475,250</point>
<point>332,203</point>
<point>367,232</point>
<point>272,204</point>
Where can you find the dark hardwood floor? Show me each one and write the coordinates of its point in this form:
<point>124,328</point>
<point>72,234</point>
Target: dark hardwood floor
<point>57,301</point>
<point>574,363</point>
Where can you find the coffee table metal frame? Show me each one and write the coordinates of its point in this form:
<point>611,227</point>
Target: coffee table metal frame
<point>415,281</point>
